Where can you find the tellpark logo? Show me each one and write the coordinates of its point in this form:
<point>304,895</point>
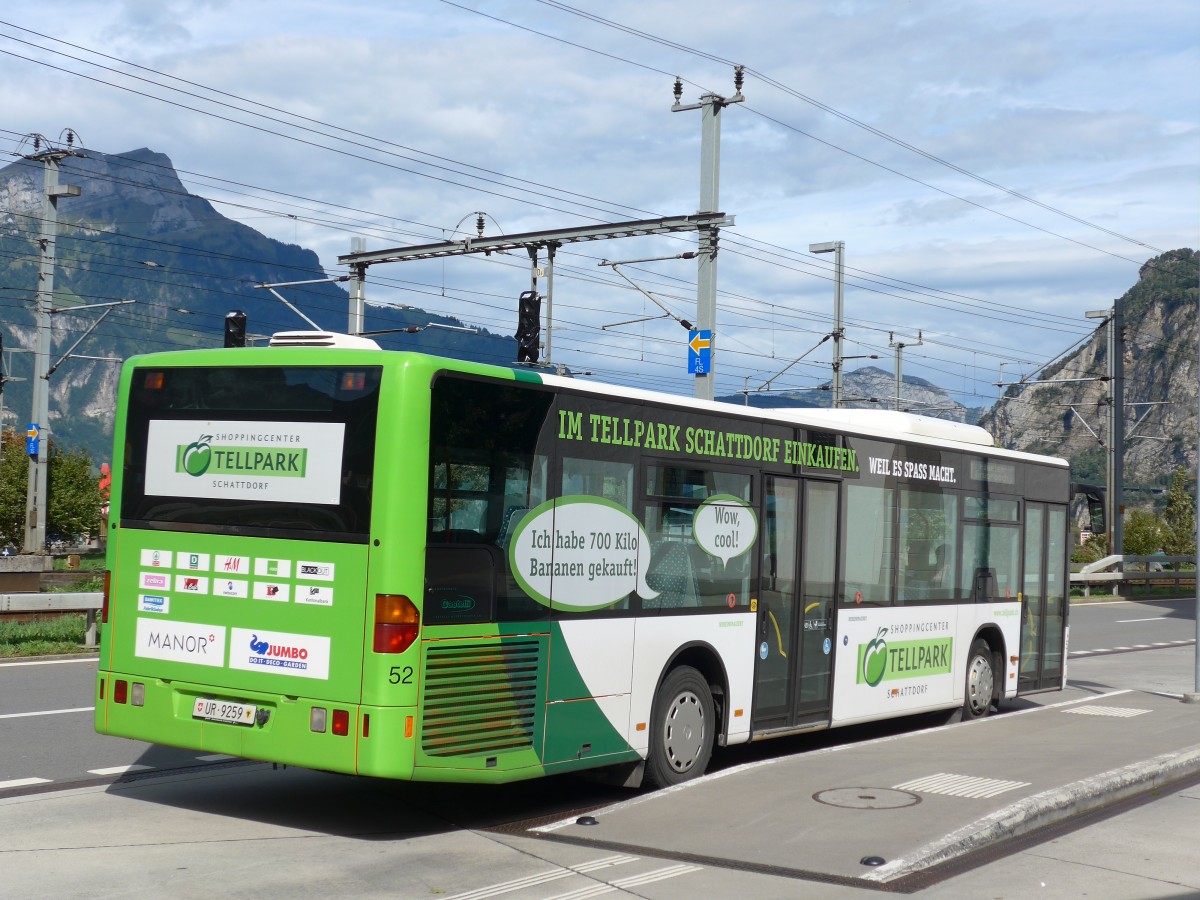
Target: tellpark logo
<point>877,661</point>
<point>200,457</point>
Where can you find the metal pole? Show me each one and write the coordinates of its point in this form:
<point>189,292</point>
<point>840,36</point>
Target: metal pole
<point>37,503</point>
<point>357,294</point>
<point>1116,347</point>
<point>838,331</point>
<point>550,248</point>
<point>899,346</point>
<point>837,248</point>
<point>1195,697</point>
<point>706,271</point>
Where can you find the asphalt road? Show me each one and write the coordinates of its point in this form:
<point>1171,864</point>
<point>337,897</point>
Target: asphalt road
<point>46,734</point>
<point>1128,625</point>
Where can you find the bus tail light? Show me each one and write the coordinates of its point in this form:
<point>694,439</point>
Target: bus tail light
<point>120,691</point>
<point>341,722</point>
<point>104,604</point>
<point>397,622</point>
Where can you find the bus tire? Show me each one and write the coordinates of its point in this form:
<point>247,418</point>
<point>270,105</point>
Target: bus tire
<point>682,728</point>
<point>981,681</point>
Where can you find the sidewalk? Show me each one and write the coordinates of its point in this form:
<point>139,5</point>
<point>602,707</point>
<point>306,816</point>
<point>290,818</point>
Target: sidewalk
<point>909,802</point>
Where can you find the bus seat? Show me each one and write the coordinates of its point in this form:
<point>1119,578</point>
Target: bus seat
<point>672,575</point>
<point>508,524</point>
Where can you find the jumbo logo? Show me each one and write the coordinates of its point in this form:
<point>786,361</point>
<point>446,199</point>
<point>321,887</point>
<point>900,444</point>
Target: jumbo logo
<point>303,655</point>
<point>263,648</point>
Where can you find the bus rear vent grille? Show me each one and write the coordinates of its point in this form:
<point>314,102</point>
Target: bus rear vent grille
<point>480,698</point>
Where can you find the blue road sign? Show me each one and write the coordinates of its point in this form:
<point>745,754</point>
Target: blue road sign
<point>699,352</point>
<point>31,440</point>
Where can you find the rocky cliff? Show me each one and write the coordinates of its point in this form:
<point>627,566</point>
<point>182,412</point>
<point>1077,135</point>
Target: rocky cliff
<point>1055,415</point>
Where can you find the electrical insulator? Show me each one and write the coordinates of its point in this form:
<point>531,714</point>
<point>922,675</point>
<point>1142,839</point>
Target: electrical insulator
<point>678,88</point>
<point>479,223</point>
<point>739,73</point>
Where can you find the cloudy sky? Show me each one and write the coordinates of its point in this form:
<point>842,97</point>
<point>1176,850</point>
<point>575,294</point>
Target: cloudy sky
<point>994,169</point>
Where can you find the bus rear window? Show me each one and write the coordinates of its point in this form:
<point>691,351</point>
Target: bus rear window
<point>267,450</point>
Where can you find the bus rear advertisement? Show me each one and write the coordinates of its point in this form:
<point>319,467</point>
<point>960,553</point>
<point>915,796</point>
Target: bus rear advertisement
<point>397,565</point>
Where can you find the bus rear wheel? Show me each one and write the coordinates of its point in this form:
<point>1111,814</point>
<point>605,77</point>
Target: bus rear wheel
<point>981,681</point>
<point>682,728</point>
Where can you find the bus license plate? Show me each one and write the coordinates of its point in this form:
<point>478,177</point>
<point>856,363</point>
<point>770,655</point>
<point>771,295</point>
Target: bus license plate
<point>221,711</point>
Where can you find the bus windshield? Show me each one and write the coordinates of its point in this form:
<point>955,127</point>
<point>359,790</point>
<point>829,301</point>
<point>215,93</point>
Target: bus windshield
<point>267,451</point>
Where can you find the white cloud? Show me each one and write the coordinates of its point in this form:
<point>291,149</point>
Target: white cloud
<point>1040,99</point>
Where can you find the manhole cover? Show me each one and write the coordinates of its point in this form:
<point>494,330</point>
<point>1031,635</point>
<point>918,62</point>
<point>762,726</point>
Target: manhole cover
<point>866,798</point>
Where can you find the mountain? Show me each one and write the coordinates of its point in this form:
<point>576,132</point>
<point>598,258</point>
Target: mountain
<point>136,233</point>
<point>869,388</point>
<point>1054,415</point>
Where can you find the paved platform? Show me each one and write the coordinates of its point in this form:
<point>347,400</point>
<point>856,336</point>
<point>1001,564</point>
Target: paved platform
<point>876,812</point>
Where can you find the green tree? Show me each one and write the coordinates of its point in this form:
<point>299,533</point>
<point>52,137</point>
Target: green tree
<point>1180,517</point>
<point>14,466</point>
<point>1094,548</point>
<point>74,493</point>
<point>72,487</point>
<point>1144,533</point>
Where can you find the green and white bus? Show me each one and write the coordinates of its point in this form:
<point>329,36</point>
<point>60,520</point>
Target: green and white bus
<point>390,564</point>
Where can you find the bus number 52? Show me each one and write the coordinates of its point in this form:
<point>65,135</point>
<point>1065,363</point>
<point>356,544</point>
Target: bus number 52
<point>401,675</point>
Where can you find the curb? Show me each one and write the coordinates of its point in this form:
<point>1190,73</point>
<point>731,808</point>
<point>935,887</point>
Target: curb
<point>1047,808</point>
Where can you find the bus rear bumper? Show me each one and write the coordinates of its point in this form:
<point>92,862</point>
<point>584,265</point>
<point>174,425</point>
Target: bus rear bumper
<point>298,731</point>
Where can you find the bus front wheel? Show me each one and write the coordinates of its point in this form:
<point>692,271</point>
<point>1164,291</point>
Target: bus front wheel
<point>981,681</point>
<point>682,728</point>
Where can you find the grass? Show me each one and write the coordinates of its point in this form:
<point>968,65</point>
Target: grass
<point>83,586</point>
<point>43,637</point>
<point>92,560</point>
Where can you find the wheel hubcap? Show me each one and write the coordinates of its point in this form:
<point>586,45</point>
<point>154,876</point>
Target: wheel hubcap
<point>980,685</point>
<point>683,735</point>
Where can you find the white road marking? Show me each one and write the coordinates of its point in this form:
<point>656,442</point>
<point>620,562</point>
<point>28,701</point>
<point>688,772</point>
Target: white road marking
<point>120,770</point>
<point>47,712</point>
<point>518,884</point>
<point>656,875</point>
<point>23,782</point>
<point>960,785</point>
<point>1122,712</point>
<point>597,890</point>
<point>1127,621</point>
<point>48,662</point>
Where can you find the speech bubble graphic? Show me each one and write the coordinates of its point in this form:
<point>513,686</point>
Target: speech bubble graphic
<point>725,526</point>
<point>580,553</point>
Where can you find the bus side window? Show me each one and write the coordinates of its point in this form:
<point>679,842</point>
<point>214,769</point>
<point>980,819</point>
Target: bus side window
<point>868,530</point>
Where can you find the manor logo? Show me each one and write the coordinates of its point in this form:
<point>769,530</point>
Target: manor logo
<point>188,642</point>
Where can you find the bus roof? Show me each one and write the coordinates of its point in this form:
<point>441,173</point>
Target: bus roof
<point>878,423</point>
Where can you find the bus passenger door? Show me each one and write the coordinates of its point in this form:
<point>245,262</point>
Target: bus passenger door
<point>1044,598</point>
<point>795,603</point>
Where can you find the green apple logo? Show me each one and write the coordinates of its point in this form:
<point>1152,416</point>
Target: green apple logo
<point>196,456</point>
<point>875,659</point>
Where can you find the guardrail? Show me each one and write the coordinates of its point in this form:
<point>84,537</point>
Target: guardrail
<point>86,602</point>
<point>1149,571</point>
